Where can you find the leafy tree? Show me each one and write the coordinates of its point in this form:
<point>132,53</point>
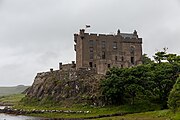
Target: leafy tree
<point>159,56</point>
<point>133,90</point>
<point>173,58</point>
<point>150,81</point>
<point>146,59</point>
<point>113,89</point>
<point>174,96</point>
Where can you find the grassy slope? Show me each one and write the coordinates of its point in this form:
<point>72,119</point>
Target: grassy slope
<point>12,90</point>
<point>95,111</point>
<point>11,99</point>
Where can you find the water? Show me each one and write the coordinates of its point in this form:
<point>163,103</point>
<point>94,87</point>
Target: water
<point>2,107</point>
<point>18,117</point>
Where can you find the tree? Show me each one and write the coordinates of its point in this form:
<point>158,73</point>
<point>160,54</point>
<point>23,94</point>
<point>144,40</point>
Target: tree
<point>171,58</point>
<point>174,96</point>
<point>146,59</point>
<point>159,56</point>
<point>113,89</point>
<point>133,90</point>
<point>150,81</point>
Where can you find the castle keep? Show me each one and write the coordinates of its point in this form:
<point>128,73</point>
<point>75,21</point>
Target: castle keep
<point>103,51</point>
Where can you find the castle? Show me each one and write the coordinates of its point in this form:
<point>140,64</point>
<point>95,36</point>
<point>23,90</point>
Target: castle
<point>103,51</point>
<point>95,54</point>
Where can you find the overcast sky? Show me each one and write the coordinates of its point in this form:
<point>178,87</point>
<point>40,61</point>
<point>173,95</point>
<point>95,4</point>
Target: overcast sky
<point>36,35</point>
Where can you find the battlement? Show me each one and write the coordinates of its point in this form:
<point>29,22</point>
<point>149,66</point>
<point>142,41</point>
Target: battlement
<point>125,36</point>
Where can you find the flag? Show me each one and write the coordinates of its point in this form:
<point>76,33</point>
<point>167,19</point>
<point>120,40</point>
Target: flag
<point>88,26</point>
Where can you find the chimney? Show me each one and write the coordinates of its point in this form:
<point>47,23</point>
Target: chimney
<point>118,32</point>
<point>135,32</point>
<point>73,64</point>
<point>51,69</point>
<point>60,66</point>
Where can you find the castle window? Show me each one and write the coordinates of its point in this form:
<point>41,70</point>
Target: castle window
<point>114,45</point>
<point>90,64</point>
<point>95,65</point>
<point>109,65</point>
<point>121,66</point>
<point>91,54</point>
<point>103,55</point>
<point>91,43</point>
<point>132,60</point>
<point>122,59</point>
<point>103,44</point>
<point>116,58</point>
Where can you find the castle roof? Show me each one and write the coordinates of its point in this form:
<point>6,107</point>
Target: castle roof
<point>127,35</point>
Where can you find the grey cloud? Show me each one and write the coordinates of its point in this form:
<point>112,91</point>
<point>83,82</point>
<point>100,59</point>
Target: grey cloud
<point>36,35</point>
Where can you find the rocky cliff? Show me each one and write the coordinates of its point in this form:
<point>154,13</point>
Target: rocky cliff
<point>79,86</point>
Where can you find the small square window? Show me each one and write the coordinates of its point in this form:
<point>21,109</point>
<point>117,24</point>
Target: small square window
<point>109,65</point>
<point>114,45</point>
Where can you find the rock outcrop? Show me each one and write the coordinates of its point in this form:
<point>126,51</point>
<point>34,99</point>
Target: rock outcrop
<point>79,86</point>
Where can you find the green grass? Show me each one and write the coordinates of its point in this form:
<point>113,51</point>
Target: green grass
<point>136,112</point>
<point>154,115</point>
<point>94,111</point>
<point>11,99</point>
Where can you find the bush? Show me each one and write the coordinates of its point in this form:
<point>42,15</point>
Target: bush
<point>174,96</point>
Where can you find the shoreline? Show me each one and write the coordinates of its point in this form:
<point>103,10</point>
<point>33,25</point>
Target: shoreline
<point>9,110</point>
